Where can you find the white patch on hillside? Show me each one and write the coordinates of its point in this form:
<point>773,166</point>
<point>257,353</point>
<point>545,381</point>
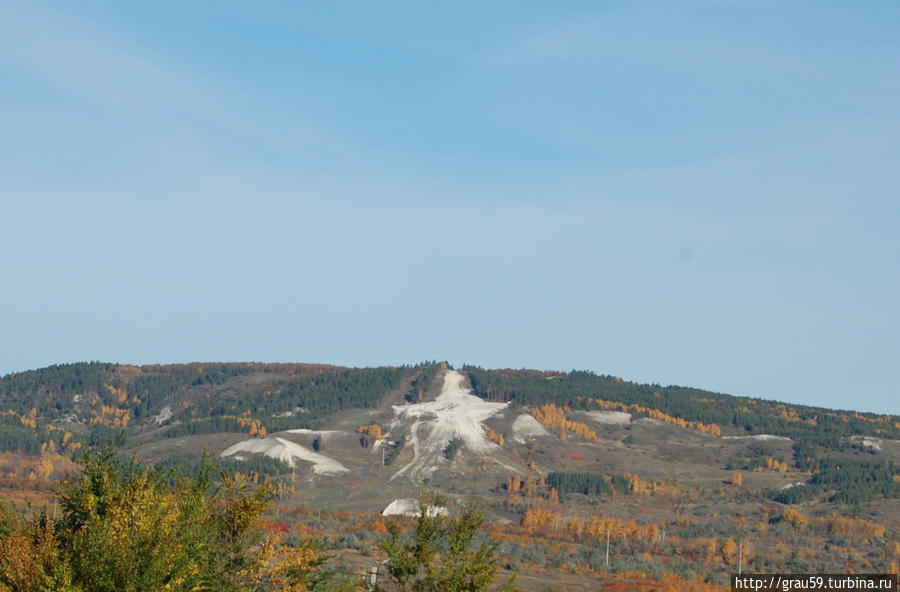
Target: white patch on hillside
<point>526,426</point>
<point>410,507</point>
<point>323,436</point>
<point>649,421</point>
<point>506,466</point>
<point>759,437</point>
<point>790,485</point>
<point>610,417</point>
<point>163,416</point>
<point>314,432</point>
<point>867,441</point>
<point>287,451</point>
<point>455,413</point>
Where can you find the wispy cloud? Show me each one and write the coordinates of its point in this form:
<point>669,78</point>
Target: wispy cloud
<point>79,58</point>
<point>659,36</point>
<point>129,81</point>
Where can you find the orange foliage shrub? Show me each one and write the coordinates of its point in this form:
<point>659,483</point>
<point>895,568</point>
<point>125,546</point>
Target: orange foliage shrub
<point>706,428</point>
<point>795,518</point>
<point>371,430</point>
<point>777,465</point>
<point>856,526</point>
<point>494,437</point>
<point>120,395</point>
<point>552,416</point>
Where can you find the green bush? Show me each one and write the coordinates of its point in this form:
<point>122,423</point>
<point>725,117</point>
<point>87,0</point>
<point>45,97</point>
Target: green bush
<point>127,527</point>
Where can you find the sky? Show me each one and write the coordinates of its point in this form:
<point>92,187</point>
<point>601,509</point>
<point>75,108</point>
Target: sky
<point>698,193</point>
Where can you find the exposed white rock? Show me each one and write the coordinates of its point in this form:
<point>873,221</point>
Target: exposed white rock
<point>525,426</point>
<point>790,485</point>
<point>759,437</point>
<point>868,442</point>
<point>455,413</point>
<point>287,451</point>
<point>164,415</point>
<point>649,421</point>
<point>314,432</point>
<point>410,507</point>
<point>610,417</point>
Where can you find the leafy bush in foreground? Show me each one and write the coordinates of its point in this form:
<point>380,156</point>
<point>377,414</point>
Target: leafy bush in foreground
<point>129,527</point>
<point>444,554</point>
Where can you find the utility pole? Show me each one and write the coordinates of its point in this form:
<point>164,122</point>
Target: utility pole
<point>373,578</point>
<point>607,546</point>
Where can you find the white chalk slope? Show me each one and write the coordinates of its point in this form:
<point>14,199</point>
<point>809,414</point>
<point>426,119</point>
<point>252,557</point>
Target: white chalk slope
<point>287,451</point>
<point>760,437</point>
<point>455,413</point>
<point>410,507</point>
<point>610,417</point>
<point>526,426</point>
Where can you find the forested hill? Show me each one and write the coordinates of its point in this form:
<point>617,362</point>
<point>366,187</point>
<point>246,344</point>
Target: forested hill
<point>62,405</point>
<point>722,413</point>
<point>94,400</point>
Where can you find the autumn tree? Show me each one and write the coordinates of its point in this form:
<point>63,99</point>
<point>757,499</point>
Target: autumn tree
<point>729,550</point>
<point>495,437</point>
<point>129,527</point>
<point>794,518</point>
<point>30,557</point>
<point>371,430</point>
<point>442,554</point>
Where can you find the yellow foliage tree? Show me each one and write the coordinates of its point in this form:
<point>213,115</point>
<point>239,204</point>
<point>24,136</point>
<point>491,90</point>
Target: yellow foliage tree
<point>127,527</point>
<point>371,430</point>
<point>494,437</point>
<point>729,550</point>
<point>794,518</point>
<point>552,416</point>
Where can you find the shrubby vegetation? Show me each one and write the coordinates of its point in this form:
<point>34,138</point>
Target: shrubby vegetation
<point>845,481</point>
<point>129,527</point>
<point>453,447</point>
<point>394,451</point>
<point>260,465</point>
<point>586,483</point>
<point>423,382</point>
<point>443,554</point>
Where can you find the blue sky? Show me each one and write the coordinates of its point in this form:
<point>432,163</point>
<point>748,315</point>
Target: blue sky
<point>698,193</point>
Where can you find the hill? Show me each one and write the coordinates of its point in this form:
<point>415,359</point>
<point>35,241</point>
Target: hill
<point>680,479</point>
